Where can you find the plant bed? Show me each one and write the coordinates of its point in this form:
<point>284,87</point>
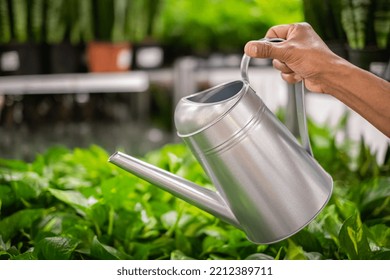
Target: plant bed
<point>72,204</point>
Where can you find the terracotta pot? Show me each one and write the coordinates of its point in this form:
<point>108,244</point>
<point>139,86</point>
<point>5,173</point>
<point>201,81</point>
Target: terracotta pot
<point>109,57</point>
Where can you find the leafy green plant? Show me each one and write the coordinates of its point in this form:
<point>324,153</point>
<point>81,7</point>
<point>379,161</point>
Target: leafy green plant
<point>21,21</point>
<point>80,21</point>
<point>5,24</point>
<point>69,21</point>
<point>56,21</point>
<point>117,20</point>
<point>19,10</point>
<point>142,19</point>
<point>382,23</point>
<point>37,20</point>
<point>211,25</point>
<point>366,22</point>
<point>73,204</point>
<point>325,18</point>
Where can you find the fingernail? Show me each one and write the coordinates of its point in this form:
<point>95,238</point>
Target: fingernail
<point>253,48</point>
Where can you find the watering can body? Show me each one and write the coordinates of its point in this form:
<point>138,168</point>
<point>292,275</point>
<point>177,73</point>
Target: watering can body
<point>266,183</point>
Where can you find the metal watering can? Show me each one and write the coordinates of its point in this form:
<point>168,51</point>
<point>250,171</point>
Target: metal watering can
<point>266,183</point>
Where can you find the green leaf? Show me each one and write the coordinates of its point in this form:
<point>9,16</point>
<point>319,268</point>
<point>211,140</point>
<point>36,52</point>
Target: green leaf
<point>67,224</point>
<point>182,242</point>
<point>375,192</point>
<point>345,207</point>
<point>56,248</point>
<point>7,196</point>
<point>179,255</point>
<point>327,225</point>
<point>29,185</point>
<point>211,244</point>
<point>18,221</point>
<point>25,256</point>
<point>105,252</point>
<point>307,240</point>
<point>120,192</point>
<point>294,251</point>
<point>172,219</point>
<point>5,23</point>
<point>12,164</point>
<point>72,198</point>
<point>380,235</point>
<point>353,238</point>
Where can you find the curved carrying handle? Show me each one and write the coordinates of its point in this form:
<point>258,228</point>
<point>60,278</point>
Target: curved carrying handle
<point>299,99</point>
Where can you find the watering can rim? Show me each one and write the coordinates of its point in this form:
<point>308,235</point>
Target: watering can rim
<point>230,103</point>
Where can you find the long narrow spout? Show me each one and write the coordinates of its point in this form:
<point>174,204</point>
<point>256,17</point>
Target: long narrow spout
<point>203,198</point>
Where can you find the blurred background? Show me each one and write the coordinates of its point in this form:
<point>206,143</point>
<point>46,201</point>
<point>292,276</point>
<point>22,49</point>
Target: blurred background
<point>110,72</point>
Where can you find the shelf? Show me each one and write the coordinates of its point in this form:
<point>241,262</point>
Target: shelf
<point>135,81</point>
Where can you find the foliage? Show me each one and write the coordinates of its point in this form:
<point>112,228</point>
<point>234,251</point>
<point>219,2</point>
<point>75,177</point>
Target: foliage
<point>124,20</point>
<point>80,17</point>
<point>200,26</point>
<point>56,21</point>
<point>36,20</point>
<point>5,24</point>
<point>325,18</point>
<point>366,23</point>
<point>72,204</point>
<point>68,20</point>
<point>210,25</point>
<point>21,21</point>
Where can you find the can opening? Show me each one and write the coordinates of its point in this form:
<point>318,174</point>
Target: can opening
<point>218,94</point>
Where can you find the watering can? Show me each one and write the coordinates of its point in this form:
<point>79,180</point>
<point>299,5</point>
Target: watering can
<point>267,183</point>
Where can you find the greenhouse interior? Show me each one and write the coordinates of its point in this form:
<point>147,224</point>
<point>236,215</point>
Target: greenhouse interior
<point>81,81</point>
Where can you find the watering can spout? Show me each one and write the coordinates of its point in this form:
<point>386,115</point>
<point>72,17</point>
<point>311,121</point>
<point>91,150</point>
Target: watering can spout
<point>203,198</point>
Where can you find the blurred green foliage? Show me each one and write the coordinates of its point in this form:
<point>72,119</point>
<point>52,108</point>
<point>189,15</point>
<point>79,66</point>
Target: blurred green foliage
<point>199,26</point>
<point>215,25</point>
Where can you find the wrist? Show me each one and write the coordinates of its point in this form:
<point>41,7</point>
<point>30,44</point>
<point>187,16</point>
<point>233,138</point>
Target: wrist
<point>335,79</point>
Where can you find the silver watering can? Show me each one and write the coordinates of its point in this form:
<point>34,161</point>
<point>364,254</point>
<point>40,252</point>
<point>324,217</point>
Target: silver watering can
<point>266,183</point>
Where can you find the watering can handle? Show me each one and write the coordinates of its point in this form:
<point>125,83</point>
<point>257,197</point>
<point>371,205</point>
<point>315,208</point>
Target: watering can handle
<point>299,100</point>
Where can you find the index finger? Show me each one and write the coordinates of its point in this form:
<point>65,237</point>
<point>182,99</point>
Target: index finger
<point>278,31</point>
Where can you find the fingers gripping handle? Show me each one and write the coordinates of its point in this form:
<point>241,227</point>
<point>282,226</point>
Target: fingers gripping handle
<point>299,99</point>
<point>245,59</point>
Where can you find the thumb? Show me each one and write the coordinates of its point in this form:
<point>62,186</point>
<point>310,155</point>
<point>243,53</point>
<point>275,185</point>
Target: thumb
<point>263,49</point>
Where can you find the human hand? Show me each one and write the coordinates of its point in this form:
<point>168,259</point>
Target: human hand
<point>303,54</point>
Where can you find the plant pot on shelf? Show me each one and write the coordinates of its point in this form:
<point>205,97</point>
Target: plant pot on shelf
<point>109,57</point>
<point>364,57</point>
<point>148,54</point>
<point>338,47</point>
<point>65,58</point>
<point>21,59</point>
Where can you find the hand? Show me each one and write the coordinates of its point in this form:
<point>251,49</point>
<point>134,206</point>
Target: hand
<point>303,54</point>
